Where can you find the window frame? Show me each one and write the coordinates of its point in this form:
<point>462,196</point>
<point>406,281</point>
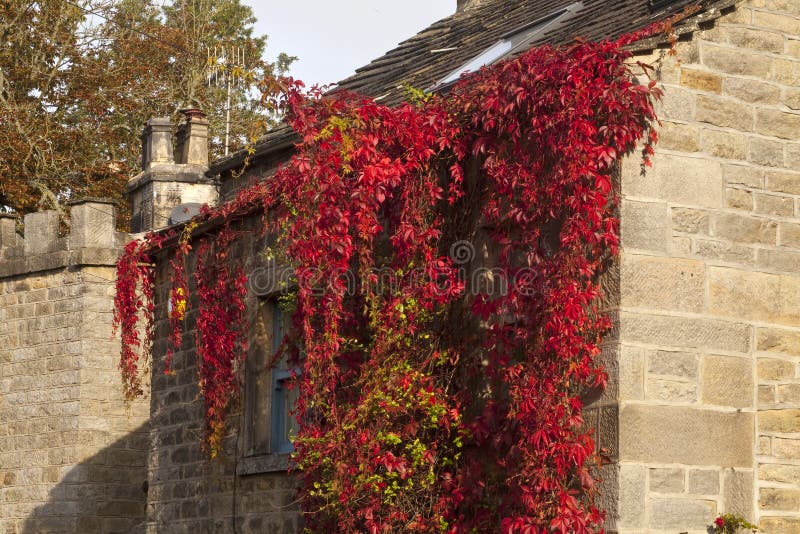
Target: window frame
<point>260,453</point>
<point>510,44</point>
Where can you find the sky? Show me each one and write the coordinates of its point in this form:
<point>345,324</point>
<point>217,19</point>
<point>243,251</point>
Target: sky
<point>332,38</point>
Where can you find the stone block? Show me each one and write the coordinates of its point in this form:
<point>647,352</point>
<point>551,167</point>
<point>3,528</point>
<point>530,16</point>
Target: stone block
<point>724,112</point>
<point>672,363</point>
<point>701,80</point>
<point>667,390</point>
<point>738,199</point>
<point>779,525</point>
<point>724,144</point>
<point>779,499</point>
<point>779,260</point>
<point>91,224</point>
<point>778,123</point>
<point>725,251</point>
<point>791,156</point>
<point>41,232</point>
<point>753,295</point>
<point>666,480</point>
<point>783,421</point>
<point>735,61</point>
<point>783,182</point>
<point>774,369</point>
<point>727,381</point>
<point>644,225</point>
<point>676,104</point>
<point>684,332</point>
<point>631,373</point>
<point>686,435</point>
<point>663,283</point>
<point>744,228</point>
<point>677,136</point>
<point>680,179</point>
<point>681,514</point>
<point>774,205</point>
<point>755,39</point>
<point>632,493</point>
<point>690,221</point>
<point>737,493</point>
<point>791,98</point>
<point>777,21</point>
<point>787,72</point>
<point>789,394</point>
<point>784,474</point>
<point>789,235</point>
<point>765,152</point>
<point>703,481</point>
<point>8,230</point>
<point>741,15</point>
<point>743,175</point>
<point>752,91</point>
<point>788,6</point>
<point>786,448</point>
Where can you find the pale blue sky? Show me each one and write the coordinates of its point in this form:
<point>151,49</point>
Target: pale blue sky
<point>333,38</point>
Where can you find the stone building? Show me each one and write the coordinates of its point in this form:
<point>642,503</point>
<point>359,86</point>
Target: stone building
<point>702,414</point>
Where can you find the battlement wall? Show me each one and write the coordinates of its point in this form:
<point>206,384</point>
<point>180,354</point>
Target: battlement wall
<point>91,240</point>
<point>72,451</point>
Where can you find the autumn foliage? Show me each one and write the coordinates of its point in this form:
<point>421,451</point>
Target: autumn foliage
<point>427,406</point>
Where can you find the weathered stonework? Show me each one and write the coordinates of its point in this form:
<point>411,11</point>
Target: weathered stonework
<point>702,415</point>
<point>72,452</point>
<point>236,492</point>
<point>709,328</point>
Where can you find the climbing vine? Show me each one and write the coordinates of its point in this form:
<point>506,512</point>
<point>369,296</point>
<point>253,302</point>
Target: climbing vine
<point>427,404</point>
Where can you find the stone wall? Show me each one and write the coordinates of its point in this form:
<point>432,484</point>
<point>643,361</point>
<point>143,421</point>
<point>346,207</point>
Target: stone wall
<point>190,493</point>
<point>72,453</point>
<point>708,389</point>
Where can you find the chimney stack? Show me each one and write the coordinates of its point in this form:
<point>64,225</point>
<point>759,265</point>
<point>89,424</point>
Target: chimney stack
<point>168,180</point>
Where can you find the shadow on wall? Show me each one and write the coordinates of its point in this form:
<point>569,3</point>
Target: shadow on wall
<point>106,493</point>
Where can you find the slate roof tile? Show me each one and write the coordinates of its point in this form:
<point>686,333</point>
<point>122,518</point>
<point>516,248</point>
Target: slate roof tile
<point>438,50</point>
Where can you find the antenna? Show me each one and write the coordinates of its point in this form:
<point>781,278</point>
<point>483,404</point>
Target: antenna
<point>225,67</point>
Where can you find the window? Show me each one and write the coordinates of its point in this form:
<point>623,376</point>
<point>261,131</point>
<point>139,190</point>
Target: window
<point>511,43</point>
<point>269,399</point>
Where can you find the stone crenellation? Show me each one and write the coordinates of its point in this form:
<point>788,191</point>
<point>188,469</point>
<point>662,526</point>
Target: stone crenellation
<point>72,451</point>
<point>92,239</point>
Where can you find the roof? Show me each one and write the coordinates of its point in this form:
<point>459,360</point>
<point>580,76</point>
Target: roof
<point>436,51</point>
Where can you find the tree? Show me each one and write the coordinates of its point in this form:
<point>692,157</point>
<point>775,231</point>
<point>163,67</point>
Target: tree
<point>78,79</point>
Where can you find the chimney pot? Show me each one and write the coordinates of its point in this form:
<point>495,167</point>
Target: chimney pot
<point>157,142</point>
<point>191,146</point>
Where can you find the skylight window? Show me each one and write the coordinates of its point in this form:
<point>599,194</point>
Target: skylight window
<point>512,43</point>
